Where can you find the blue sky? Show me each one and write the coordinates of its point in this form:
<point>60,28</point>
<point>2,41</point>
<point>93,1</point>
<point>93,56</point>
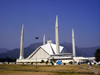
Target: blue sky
<point>39,17</point>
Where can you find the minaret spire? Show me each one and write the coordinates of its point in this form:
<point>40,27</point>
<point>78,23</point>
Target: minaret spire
<point>73,43</point>
<point>21,44</point>
<point>44,40</point>
<point>57,35</point>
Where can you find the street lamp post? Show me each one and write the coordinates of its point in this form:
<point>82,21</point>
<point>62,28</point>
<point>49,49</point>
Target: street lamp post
<point>36,54</point>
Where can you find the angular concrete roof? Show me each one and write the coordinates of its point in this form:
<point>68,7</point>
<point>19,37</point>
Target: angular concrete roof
<point>50,48</point>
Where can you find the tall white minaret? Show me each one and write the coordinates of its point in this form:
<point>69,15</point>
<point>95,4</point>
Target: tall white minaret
<point>21,44</point>
<point>44,40</point>
<point>57,35</point>
<point>73,43</point>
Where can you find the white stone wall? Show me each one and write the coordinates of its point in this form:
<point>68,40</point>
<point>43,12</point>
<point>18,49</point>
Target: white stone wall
<point>38,56</point>
<point>41,54</point>
<point>66,61</point>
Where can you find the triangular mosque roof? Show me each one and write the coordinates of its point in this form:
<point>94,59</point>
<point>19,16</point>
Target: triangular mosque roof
<point>51,48</point>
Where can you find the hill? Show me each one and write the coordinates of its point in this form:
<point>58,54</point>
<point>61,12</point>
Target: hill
<point>89,51</point>
<point>86,52</point>
<point>3,50</point>
<point>15,52</point>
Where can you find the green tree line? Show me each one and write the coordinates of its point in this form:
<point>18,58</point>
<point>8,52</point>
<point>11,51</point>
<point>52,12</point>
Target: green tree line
<point>7,59</point>
<point>97,55</point>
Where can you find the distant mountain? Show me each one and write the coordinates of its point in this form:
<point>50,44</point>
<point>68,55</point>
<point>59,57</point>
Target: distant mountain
<point>3,50</point>
<point>68,47</point>
<point>89,52</point>
<point>86,52</point>
<point>33,46</point>
<point>15,52</point>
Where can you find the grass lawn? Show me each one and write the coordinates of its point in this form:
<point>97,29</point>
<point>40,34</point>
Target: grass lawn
<point>46,67</point>
<point>97,67</point>
<point>2,72</point>
<point>16,69</point>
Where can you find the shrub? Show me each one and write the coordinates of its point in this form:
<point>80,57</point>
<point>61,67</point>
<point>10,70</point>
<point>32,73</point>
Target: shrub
<point>94,63</point>
<point>71,62</point>
<point>46,62</point>
<point>64,63</point>
<point>31,63</point>
<point>21,62</point>
<point>51,63</point>
<point>86,61</point>
<point>42,61</point>
<point>78,63</point>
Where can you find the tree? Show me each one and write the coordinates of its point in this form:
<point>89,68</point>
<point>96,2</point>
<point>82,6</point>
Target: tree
<point>14,60</point>
<point>0,59</point>
<point>42,61</point>
<point>97,55</point>
<point>46,62</point>
<point>71,62</point>
<point>51,62</point>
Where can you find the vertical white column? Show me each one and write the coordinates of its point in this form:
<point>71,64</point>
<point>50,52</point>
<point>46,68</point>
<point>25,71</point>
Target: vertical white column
<point>21,44</point>
<point>44,40</point>
<point>73,42</point>
<point>57,35</point>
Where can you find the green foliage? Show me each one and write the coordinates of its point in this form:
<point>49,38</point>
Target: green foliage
<point>0,59</point>
<point>64,63</point>
<point>71,62</point>
<point>31,63</point>
<point>42,61</point>
<point>78,63</point>
<point>46,62</point>
<point>7,59</point>
<point>86,61</point>
<point>94,63</point>
<point>97,55</point>
<point>14,60</point>
<point>51,63</point>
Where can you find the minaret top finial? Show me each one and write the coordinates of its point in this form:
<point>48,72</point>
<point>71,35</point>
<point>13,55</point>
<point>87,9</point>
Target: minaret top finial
<point>56,20</point>
<point>44,40</point>
<point>72,32</point>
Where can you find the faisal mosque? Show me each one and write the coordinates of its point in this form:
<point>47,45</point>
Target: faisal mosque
<point>49,51</point>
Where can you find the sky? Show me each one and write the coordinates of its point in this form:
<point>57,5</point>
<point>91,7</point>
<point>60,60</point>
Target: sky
<point>39,18</point>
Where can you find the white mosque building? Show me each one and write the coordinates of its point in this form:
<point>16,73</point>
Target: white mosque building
<point>50,51</point>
